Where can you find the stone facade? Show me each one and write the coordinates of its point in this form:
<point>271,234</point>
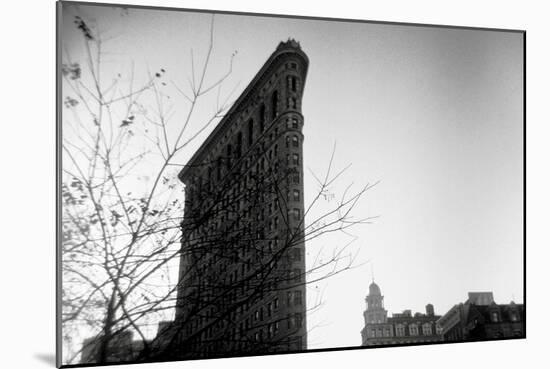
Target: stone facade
<point>242,268</point>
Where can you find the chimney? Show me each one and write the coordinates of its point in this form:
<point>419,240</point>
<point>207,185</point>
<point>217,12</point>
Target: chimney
<point>429,310</point>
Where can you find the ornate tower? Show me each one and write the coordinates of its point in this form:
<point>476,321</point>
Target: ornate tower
<point>375,313</point>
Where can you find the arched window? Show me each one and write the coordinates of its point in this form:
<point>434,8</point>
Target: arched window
<point>295,141</point>
<point>274,103</point>
<point>295,159</point>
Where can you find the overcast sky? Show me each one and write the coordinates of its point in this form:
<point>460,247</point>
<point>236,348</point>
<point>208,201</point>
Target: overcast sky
<point>434,114</point>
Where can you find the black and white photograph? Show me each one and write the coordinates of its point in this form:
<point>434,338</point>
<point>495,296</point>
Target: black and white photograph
<point>238,184</point>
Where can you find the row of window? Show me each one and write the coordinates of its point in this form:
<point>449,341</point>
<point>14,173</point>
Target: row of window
<point>400,331</point>
<point>230,153</point>
<point>294,321</point>
<point>513,315</point>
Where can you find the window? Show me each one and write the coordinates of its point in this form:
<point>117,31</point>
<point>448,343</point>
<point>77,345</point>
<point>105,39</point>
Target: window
<point>297,298</point>
<point>295,141</point>
<point>413,330</point>
<point>296,195</point>
<point>296,179</point>
<point>219,168</point>
<point>291,104</point>
<point>292,83</point>
<point>296,254</point>
<point>262,118</point>
<point>298,320</point>
<point>250,132</point>
<point>287,141</point>
<point>297,275</point>
<point>399,330</point>
<point>494,317</point>
<point>427,329</point>
<point>294,123</point>
<point>228,162</point>
<point>239,150</point>
<point>274,103</point>
<point>296,213</point>
<point>295,159</point>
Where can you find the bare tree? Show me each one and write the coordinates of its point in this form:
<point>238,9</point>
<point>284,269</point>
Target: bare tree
<point>123,224</point>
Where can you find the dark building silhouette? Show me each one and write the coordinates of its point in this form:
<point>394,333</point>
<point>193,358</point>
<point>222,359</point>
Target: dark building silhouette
<point>241,283</point>
<point>122,348</point>
<point>242,268</point>
<point>400,328</point>
<point>480,318</point>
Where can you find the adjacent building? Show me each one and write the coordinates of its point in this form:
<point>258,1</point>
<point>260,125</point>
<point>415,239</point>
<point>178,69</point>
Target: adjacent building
<point>122,348</point>
<point>481,318</point>
<point>400,328</point>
